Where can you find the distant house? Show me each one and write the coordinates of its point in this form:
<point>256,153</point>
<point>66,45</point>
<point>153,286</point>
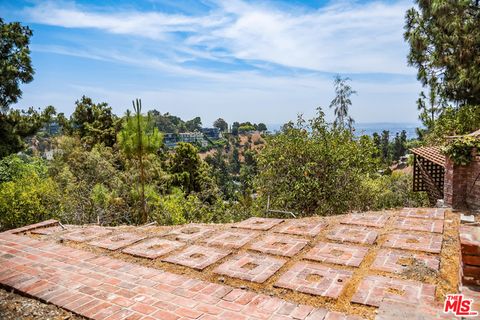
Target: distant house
<point>171,139</point>
<point>211,133</point>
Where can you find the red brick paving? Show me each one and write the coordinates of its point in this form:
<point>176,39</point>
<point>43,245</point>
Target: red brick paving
<point>301,228</point>
<point>250,267</point>
<point>427,225</point>
<point>425,213</point>
<point>314,278</point>
<point>43,224</point>
<point>398,261</point>
<point>356,234</point>
<point>117,241</point>
<point>418,242</point>
<point>197,257</point>
<point>86,234</point>
<point>231,238</point>
<point>281,245</point>
<point>366,219</point>
<point>153,248</point>
<point>256,223</point>
<point>101,287</point>
<point>373,289</point>
<point>189,232</point>
<point>343,254</point>
<point>340,316</point>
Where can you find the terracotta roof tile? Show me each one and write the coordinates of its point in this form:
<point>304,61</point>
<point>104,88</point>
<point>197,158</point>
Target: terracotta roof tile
<point>433,154</point>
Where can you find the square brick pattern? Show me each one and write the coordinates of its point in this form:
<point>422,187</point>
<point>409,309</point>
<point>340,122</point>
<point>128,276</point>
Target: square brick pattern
<point>314,279</point>
<point>373,289</point>
<point>197,257</point>
<point>256,223</point>
<point>427,225</point>
<point>342,254</point>
<point>353,234</point>
<point>86,234</point>
<point>251,267</point>
<point>189,232</point>
<point>117,241</point>
<point>418,242</point>
<point>425,213</point>
<point>153,248</point>
<point>231,238</point>
<point>281,245</point>
<point>48,231</point>
<point>398,261</point>
<point>301,228</point>
<point>366,219</point>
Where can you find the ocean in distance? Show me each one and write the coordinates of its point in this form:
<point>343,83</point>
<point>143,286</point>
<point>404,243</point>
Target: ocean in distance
<point>370,128</point>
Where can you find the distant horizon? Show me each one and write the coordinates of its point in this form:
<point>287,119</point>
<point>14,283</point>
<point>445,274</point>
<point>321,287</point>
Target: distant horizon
<point>267,60</point>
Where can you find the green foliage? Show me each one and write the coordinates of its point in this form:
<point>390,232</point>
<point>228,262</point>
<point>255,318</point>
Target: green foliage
<point>342,102</point>
<point>138,138</point>
<point>460,150</point>
<point>389,191</point>
<point>167,123</point>
<point>443,38</point>
<point>314,168</point>
<point>221,124</point>
<point>27,195</point>
<point>246,128</point>
<point>454,121</point>
<point>17,125</point>
<point>15,62</point>
<point>92,122</point>
<point>194,125</point>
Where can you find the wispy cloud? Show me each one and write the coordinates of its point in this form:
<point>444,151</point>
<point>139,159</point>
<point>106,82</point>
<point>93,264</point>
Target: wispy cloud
<point>345,37</point>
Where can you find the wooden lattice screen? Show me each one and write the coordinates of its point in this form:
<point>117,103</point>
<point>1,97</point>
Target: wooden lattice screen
<point>428,176</point>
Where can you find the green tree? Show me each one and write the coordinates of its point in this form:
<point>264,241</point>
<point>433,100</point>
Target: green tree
<point>194,125</point>
<point>15,63</point>
<point>94,122</point>
<point>16,125</point>
<point>443,38</point>
<point>314,168</point>
<point>235,127</point>
<point>27,194</point>
<point>262,127</point>
<point>385,146</point>
<point>221,124</point>
<point>138,138</point>
<point>342,102</point>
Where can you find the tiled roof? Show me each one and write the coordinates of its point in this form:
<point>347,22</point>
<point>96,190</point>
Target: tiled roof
<point>433,154</point>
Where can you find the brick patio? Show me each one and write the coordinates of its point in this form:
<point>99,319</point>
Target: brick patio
<point>250,267</point>
<point>86,234</point>
<point>86,284</point>
<point>117,241</point>
<point>197,257</point>
<point>281,245</point>
<point>366,219</point>
<point>256,223</point>
<point>345,233</point>
<point>259,255</point>
<point>153,248</point>
<point>343,254</point>
<point>427,225</point>
<point>398,261</point>
<point>374,289</point>
<point>418,242</point>
<point>313,278</point>
<point>231,238</point>
<point>189,232</point>
<point>301,228</point>
<point>425,213</point>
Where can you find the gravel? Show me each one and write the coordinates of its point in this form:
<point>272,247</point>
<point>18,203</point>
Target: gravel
<point>16,307</point>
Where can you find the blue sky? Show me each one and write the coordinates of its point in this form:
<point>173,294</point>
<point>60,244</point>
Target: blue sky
<point>261,61</point>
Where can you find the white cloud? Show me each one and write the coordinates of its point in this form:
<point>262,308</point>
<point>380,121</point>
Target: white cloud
<point>345,37</point>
